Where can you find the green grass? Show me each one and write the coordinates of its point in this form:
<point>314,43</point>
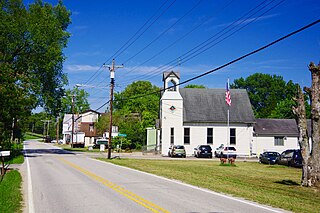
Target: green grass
<point>18,159</point>
<point>85,149</point>
<point>10,192</point>
<point>275,185</point>
<point>30,136</point>
<point>16,156</point>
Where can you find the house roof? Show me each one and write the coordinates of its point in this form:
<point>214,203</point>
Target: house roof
<point>280,127</point>
<point>167,74</point>
<point>90,110</point>
<point>209,106</point>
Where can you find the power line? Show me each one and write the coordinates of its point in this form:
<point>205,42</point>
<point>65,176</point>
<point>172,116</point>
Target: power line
<point>231,62</point>
<point>164,32</point>
<point>243,19</point>
<point>116,55</point>
<point>125,46</point>
<point>179,39</point>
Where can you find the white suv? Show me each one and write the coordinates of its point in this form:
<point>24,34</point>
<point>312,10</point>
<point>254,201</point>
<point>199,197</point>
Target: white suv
<point>225,152</point>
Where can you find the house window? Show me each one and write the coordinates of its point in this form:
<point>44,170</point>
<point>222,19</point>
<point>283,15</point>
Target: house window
<point>91,127</point>
<point>278,141</point>
<point>172,135</point>
<point>186,135</point>
<point>232,136</point>
<point>209,135</point>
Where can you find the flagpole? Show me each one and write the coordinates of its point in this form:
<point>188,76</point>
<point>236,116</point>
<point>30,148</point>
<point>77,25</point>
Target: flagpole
<point>228,131</point>
<point>228,125</point>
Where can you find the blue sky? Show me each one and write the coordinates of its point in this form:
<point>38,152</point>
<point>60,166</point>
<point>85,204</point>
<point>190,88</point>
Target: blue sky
<point>99,28</point>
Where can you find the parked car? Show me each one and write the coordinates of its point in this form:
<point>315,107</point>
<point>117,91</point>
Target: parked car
<point>203,151</point>
<point>269,157</point>
<point>291,157</point>
<point>225,152</point>
<point>59,142</point>
<point>177,151</point>
<point>100,141</point>
<point>47,139</point>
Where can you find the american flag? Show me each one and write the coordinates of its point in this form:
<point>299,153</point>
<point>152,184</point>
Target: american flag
<point>228,97</point>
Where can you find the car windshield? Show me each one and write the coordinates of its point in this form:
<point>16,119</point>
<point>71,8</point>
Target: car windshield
<point>179,147</point>
<point>272,154</point>
<point>205,148</point>
<point>231,148</point>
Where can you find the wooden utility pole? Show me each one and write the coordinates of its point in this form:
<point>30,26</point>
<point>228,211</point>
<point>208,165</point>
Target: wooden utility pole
<point>57,130</point>
<point>46,133</point>
<point>72,131</point>
<point>112,70</point>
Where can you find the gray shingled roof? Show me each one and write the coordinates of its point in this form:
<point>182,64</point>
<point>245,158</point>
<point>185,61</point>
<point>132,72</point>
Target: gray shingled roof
<point>209,106</point>
<point>280,127</point>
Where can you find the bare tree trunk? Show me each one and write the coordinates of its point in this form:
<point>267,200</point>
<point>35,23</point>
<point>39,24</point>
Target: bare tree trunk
<point>301,120</point>
<point>314,178</point>
<point>311,160</point>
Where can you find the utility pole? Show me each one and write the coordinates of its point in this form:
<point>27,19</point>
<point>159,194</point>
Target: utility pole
<point>112,70</point>
<point>72,131</point>
<point>57,129</point>
<point>44,127</point>
<point>48,127</point>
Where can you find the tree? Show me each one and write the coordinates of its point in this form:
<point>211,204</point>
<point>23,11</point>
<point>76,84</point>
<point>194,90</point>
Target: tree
<point>310,155</point>
<point>81,103</point>
<point>195,86</point>
<point>269,95</point>
<point>31,57</point>
<point>135,109</point>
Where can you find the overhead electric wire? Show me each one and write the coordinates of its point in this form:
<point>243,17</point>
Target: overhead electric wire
<point>164,32</point>
<point>186,57</point>
<point>189,57</point>
<point>123,48</point>
<point>116,55</point>
<point>200,46</point>
<point>177,40</point>
<point>229,63</point>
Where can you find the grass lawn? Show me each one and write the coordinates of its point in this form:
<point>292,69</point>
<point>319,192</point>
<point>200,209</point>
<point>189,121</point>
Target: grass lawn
<point>68,148</point>
<point>16,156</point>
<point>274,185</point>
<point>30,136</point>
<point>10,192</point>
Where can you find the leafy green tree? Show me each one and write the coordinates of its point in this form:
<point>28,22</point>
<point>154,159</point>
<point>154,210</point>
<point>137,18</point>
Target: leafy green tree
<point>121,141</point>
<point>195,86</point>
<point>31,58</point>
<point>135,109</point>
<point>137,98</point>
<point>269,95</point>
<point>81,103</point>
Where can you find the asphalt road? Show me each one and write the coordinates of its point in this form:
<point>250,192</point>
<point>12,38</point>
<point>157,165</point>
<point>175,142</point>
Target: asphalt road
<point>59,181</point>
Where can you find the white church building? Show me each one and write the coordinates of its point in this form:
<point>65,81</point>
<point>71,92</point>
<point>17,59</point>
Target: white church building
<point>192,117</point>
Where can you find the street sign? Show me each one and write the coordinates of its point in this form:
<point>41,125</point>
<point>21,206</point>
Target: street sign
<point>122,135</point>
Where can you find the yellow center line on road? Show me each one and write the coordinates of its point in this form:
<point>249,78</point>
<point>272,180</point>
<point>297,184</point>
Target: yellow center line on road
<point>130,195</point>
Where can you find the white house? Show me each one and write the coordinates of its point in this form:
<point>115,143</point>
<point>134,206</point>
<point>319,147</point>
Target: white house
<point>78,136</point>
<point>192,117</point>
<point>88,120</point>
<point>275,135</point>
<point>85,131</point>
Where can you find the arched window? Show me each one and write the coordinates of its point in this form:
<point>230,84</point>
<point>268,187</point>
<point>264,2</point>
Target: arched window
<point>172,85</point>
